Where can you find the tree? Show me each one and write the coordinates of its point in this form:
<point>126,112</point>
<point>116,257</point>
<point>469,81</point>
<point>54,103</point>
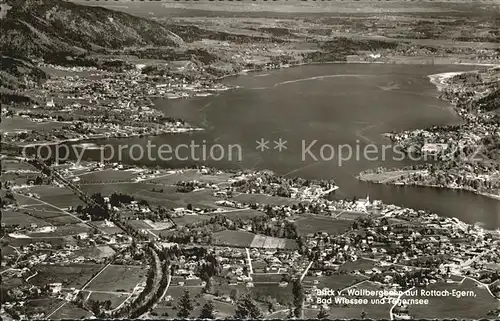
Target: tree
<point>95,307</point>
<point>298,298</point>
<point>290,312</point>
<point>207,311</point>
<point>185,306</point>
<point>323,314</point>
<point>208,285</point>
<point>247,309</point>
<point>233,294</point>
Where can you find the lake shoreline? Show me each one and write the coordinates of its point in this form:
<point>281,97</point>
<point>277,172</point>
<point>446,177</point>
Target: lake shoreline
<point>217,83</point>
<point>362,177</point>
<point>440,80</point>
<point>340,62</point>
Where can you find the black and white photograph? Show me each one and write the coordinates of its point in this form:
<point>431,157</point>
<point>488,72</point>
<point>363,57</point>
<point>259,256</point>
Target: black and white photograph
<point>250,159</point>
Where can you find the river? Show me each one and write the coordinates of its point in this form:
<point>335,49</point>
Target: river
<point>327,106</point>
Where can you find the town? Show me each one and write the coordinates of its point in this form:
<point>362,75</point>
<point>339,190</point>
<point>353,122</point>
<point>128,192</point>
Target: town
<point>87,238</point>
<point>108,240</point>
<point>465,156</point>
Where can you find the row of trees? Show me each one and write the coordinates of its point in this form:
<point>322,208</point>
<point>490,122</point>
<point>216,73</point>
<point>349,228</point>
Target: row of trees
<point>136,307</point>
<point>246,308</point>
<point>203,230</point>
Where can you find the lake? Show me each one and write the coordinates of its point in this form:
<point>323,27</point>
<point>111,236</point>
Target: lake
<point>323,109</point>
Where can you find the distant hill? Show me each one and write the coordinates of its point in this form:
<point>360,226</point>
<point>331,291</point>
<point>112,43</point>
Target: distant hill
<point>44,28</point>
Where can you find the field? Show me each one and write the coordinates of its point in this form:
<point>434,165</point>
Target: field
<point>263,292</point>
<point>139,224</point>
<point>173,178</point>
<point>247,239</point>
<point>71,312</point>
<point>351,215</point>
<point>43,305</point>
<point>387,177</point>
<point>58,196</point>
<point>108,189</point>
<point>264,199</point>
<point>10,282</point>
<point>191,175</point>
<point>15,165</point>
<point>169,198</point>
<point>106,176</point>
<point>267,277</point>
<point>71,276</point>
<point>10,218</point>
<point>334,282</point>
<point>65,230</point>
<point>234,238</point>
<point>115,298</point>
<point>116,278</point>
<point>315,223</point>
<point>16,124</point>
<point>24,200</point>
<point>43,211</point>
<point>360,264</point>
<point>244,214</point>
<point>18,178</point>
<point>17,242</point>
<point>50,215</point>
<point>222,286</point>
<point>223,309</point>
<point>62,220</point>
<point>190,219</point>
<point>149,225</point>
<point>449,307</point>
<point>175,292</point>
<point>268,242</point>
<point>158,225</point>
<point>101,251</point>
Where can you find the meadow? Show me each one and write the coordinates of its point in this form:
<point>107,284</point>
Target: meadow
<point>117,278</point>
<point>314,223</point>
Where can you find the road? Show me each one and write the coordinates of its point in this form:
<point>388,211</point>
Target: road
<point>305,271</point>
<point>127,299</point>
<point>153,178</point>
<point>352,286</point>
<point>302,317</point>
<point>157,278</point>
<point>81,289</point>
<point>164,292</point>
<point>17,260</point>
<point>391,314</point>
<point>53,206</point>
<point>250,269</point>
<point>76,190</point>
<point>487,286</point>
<point>300,280</point>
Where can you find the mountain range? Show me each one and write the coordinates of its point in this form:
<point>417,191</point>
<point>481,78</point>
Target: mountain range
<point>43,28</point>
